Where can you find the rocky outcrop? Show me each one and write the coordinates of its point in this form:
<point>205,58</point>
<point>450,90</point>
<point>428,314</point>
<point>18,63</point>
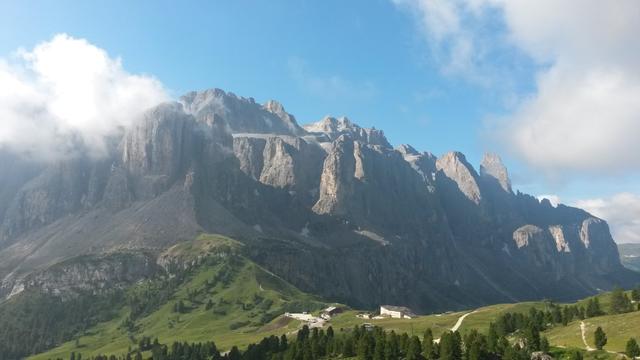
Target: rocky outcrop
<point>493,169</point>
<point>250,153</point>
<point>241,115</point>
<point>601,251</point>
<point>562,245</point>
<point>331,129</point>
<point>87,274</point>
<point>156,150</point>
<point>336,181</point>
<point>60,189</point>
<point>424,163</point>
<point>279,165</point>
<point>455,167</point>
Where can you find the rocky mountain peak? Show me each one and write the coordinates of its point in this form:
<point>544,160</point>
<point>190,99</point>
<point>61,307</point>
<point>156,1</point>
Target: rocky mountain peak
<point>406,149</point>
<point>424,163</point>
<point>493,168</point>
<point>333,128</point>
<point>454,166</point>
<point>243,115</point>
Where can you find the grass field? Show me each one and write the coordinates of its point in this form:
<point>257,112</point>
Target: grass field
<point>619,328</point>
<point>248,303</point>
<point>437,323</point>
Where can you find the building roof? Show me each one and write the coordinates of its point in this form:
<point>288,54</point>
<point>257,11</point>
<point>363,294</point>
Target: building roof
<point>396,308</point>
<point>402,309</point>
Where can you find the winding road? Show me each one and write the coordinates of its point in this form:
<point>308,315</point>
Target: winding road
<point>457,324</point>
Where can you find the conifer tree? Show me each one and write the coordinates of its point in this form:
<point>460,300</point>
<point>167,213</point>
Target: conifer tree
<point>428,348</point>
<point>632,348</point>
<point>620,303</point>
<point>544,344</point>
<point>600,338</point>
<point>413,349</point>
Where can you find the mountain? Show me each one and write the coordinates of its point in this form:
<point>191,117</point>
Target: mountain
<point>630,256</point>
<point>330,207</point>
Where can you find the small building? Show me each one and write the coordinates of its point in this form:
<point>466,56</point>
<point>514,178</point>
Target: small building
<point>330,311</point>
<point>398,312</point>
<point>364,315</point>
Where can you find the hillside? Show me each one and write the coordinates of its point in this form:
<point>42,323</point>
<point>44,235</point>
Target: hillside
<point>619,329</point>
<point>221,295</point>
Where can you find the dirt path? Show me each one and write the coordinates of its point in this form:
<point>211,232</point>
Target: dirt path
<point>457,324</point>
<point>583,330</point>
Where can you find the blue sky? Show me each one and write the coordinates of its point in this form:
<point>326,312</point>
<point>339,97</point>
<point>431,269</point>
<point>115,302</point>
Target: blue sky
<point>461,75</point>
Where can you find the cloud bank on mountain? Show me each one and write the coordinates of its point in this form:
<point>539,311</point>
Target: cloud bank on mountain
<point>66,94</point>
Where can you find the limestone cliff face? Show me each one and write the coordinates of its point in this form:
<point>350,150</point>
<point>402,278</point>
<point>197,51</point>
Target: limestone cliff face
<point>599,246</point>
<point>156,150</point>
<point>336,182</point>
<point>424,163</point>
<point>493,169</point>
<point>92,274</point>
<point>250,153</point>
<point>455,167</point>
<point>330,206</point>
<point>60,189</point>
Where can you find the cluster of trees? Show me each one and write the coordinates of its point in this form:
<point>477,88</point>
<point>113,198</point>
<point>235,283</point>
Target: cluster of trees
<point>632,349</point>
<point>150,295</point>
<point>620,302</point>
<point>364,343</point>
<point>33,321</point>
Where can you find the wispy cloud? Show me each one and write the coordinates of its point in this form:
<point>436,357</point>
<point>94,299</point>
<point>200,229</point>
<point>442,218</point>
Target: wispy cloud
<point>460,39</point>
<point>621,211</point>
<point>583,115</point>
<point>66,92</point>
<point>329,86</point>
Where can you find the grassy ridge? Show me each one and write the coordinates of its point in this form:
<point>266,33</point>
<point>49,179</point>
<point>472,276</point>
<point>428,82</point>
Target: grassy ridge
<point>247,304</point>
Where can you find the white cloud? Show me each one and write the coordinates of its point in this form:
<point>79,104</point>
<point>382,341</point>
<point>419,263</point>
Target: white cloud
<point>457,36</point>
<point>621,211</point>
<point>584,115</point>
<point>328,86</point>
<point>67,91</point>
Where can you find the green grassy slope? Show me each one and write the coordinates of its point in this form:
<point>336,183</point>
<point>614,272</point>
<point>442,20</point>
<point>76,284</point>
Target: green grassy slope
<point>438,324</point>
<point>248,302</point>
<point>619,328</point>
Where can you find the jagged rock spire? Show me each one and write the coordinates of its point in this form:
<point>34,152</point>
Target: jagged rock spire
<point>454,165</point>
<point>493,167</point>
